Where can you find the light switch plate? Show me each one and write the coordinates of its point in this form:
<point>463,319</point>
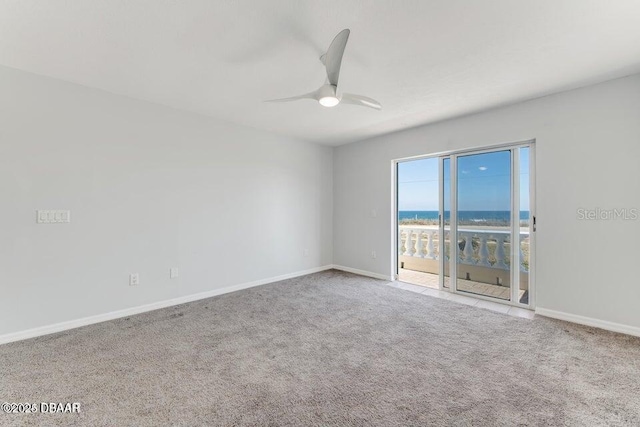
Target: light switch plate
<point>53,216</point>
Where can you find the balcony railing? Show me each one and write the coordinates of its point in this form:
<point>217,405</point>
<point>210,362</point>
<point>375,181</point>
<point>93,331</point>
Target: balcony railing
<point>483,248</point>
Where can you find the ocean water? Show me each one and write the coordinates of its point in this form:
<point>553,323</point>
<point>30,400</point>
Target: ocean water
<point>479,217</point>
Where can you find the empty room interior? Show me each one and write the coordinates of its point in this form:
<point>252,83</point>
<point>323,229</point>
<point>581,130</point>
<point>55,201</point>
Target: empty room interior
<point>320,213</point>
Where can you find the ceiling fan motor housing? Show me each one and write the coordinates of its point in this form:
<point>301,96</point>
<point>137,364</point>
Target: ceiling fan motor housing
<point>328,91</point>
<point>327,96</point>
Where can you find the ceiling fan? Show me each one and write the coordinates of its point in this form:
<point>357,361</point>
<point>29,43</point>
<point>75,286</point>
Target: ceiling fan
<point>327,95</point>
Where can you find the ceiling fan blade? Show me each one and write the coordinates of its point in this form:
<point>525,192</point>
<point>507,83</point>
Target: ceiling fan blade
<point>349,98</point>
<point>311,95</point>
<point>333,58</point>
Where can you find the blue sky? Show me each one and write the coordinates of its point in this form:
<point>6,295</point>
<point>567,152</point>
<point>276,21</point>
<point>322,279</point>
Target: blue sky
<point>483,183</point>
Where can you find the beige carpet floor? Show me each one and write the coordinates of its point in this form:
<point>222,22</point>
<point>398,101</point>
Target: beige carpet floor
<point>329,349</point>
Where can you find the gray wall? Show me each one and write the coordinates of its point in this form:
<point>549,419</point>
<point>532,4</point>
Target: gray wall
<point>152,188</point>
<point>588,156</point>
<point>149,188</point>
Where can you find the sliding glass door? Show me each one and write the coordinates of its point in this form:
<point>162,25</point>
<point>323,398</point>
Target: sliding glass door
<point>483,224</point>
<point>419,249</point>
<point>468,216</point>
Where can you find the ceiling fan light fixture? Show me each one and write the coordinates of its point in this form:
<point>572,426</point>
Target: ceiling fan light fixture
<point>329,101</point>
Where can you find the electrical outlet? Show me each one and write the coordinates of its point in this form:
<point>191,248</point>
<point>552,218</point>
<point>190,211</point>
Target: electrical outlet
<point>134,279</point>
<point>173,273</point>
<point>305,252</point>
<point>374,255</point>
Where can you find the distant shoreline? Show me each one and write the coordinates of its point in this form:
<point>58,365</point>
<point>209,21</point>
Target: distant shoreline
<point>524,229</point>
<point>471,219</point>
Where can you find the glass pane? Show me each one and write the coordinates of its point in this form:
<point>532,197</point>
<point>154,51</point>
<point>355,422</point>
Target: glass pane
<point>418,208</point>
<point>484,224</point>
<point>525,226</point>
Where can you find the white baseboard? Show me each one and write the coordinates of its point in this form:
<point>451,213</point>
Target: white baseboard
<point>363,272</point>
<point>71,324</point>
<point>589,321</point>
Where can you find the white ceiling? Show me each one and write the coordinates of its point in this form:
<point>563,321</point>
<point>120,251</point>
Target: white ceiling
<point>423,60</point>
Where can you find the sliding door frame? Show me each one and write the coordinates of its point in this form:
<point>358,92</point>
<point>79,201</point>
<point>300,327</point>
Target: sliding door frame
<point>453,155</point>
<point>442,248</point>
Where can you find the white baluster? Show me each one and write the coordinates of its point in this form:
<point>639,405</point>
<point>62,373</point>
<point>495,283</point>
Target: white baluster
<point>500,252</point>
<point>468,249</point>
<point>430,250</point>
<point>419,252</point>
<point>521,242</point>
<point>403,242</point>
<point>483,252</point>
<point>408,245</point>
<point>447,248</point>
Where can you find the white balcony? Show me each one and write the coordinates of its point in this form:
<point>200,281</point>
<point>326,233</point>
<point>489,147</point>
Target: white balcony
<point>484,262</point>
